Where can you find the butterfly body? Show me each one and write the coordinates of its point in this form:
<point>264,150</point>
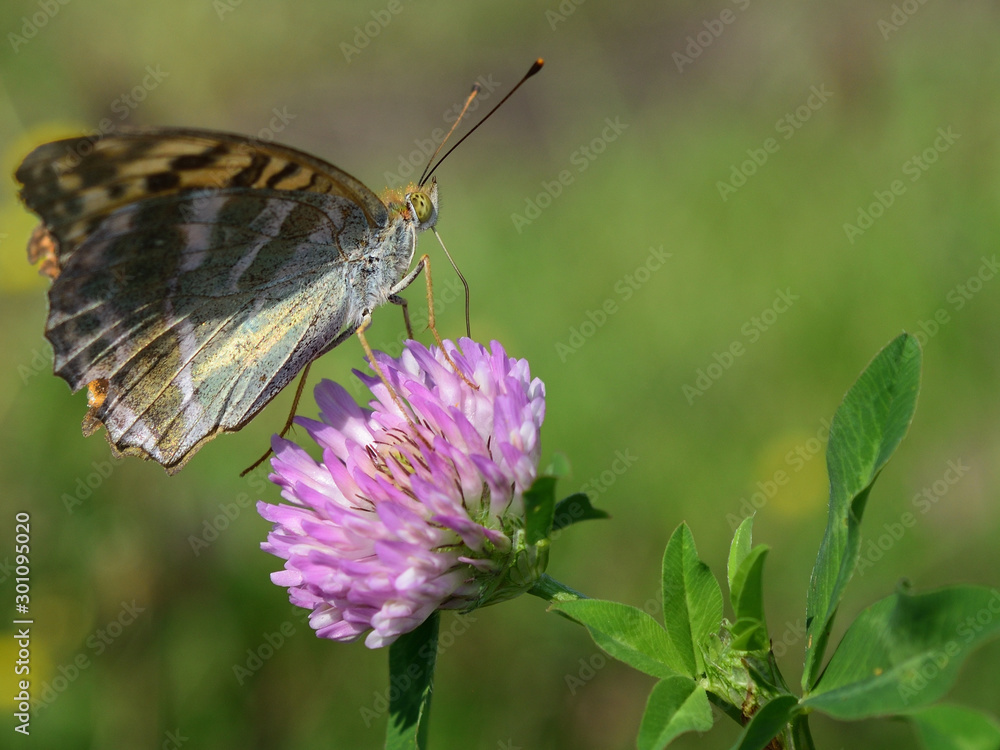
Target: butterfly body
<point>195,273</point>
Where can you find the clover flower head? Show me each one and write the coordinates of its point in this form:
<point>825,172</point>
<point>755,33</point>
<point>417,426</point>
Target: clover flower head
<point>407,514</point>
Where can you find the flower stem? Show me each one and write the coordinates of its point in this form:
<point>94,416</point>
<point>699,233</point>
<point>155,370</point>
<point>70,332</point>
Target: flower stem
<point>551,590</point>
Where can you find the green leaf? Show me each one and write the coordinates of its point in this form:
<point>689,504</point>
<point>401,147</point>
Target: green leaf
<point>558,467</point>
<point>738,550</point>
<point>539,509</point>
<point>870,423</point>
<point>946,727</point>
<point>904,651</point>
<point>748,585</point>
<point>749,634</point>
<point>769,721</point>
<point>626,633</point>
<point>675,706</point>
<point>692,600</point>
<point>747,592</point>
<point>411,672</point>
<point>575,508</point>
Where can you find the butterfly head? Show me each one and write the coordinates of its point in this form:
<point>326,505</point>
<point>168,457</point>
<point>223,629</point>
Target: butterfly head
<point>417,203</point>
<point>424,203</point>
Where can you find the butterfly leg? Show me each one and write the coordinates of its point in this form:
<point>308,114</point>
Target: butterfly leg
<point>288,422</point>
<point>381,376</point>
<point>424,264</point>
<point>401,301</point>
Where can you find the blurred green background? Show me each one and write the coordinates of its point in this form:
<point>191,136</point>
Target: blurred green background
<point>162,622</point>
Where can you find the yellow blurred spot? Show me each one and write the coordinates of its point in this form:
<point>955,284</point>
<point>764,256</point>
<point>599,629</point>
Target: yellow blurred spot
<point>792,474</point>
<point>17,222</point>
<point>38,662</point>
<point>16,273</point>
<point>58,637</point>
<point>8,679</point>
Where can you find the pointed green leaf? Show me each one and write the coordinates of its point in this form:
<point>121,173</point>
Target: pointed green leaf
<point>904,651</point>
<point>675,706</point>
<point>539,509</point>
<point>575,508</point>
<point>748,585</point>
<point>747,591</point>
<point>870,423</point>
<point>558,467</point>
<point>769,721</point>
<point>411,672</point>
<point>626,633</point>
<point>945,727</point>
<point>739,549</point>
<point>692,600</point>
<point>749,634</point>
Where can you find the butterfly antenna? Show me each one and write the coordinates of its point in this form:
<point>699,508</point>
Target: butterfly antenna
<point>534,69</point>
<point>468,325</point>
<point>472,95</point>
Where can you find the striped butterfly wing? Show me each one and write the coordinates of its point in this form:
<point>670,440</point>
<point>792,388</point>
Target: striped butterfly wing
<point>75,183</point>
<point>187,302</point>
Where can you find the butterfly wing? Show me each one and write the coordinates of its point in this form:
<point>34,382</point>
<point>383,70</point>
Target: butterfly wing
<point>190,307</point>
<point>75,183</point>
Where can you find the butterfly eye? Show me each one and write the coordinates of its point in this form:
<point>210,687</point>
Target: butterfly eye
<point>422,205</point>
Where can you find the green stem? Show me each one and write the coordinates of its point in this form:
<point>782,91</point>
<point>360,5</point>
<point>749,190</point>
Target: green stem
<point>551,590</point>
<point>801,737</point>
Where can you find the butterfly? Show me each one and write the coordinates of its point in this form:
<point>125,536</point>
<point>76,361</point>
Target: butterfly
<point>195,273</point>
